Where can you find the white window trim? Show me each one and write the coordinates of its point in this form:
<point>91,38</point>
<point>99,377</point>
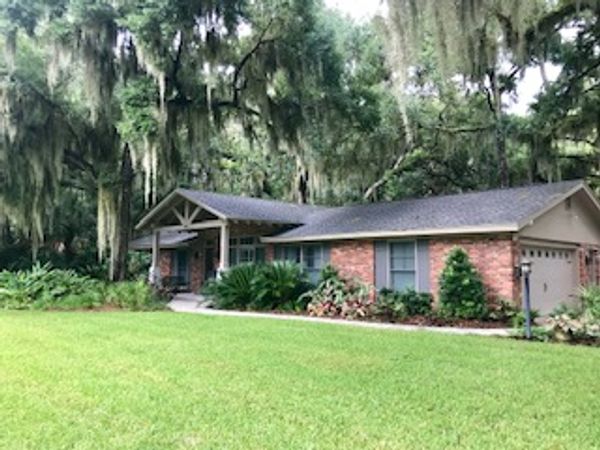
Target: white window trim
<point>237,247</point>
<point>388,274</point>
<point>302,247</point>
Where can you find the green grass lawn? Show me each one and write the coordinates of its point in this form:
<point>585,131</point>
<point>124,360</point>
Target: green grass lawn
<point>164,380</point>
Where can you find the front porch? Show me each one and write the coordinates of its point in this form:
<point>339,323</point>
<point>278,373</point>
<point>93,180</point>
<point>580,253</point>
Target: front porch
<point>192,242</point>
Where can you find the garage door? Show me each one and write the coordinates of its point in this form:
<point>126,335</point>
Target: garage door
<point>553,277</point>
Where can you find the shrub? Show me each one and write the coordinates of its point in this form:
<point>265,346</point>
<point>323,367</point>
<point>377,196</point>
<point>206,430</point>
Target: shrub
<point>518,320</point>
<point>390,306</point>
<point>577,324</point>
<point>590,300</point>
<point>279,285</point>
<point>328,272</point>
<point>566,328</point>
<point>133,295</point>
<point>398,305</point>
<point>337,296</point>
<point>42,287</point>
<point>233,290</point>
<point>462,293</point>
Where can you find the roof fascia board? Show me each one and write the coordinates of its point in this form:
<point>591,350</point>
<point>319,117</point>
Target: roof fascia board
<point>506,228</point>
<point>144,221</point>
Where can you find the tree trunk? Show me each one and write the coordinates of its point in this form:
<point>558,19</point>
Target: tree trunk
<point>119,254</point>
<point>302,188</point>
<point>495,104</point>
<point>501,153</point>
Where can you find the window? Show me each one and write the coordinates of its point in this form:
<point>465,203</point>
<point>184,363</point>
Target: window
<point>313,261</point>
<point>245,250</point>
<point>312,257</point>
<point>292,253</point>
<point>402,265</point>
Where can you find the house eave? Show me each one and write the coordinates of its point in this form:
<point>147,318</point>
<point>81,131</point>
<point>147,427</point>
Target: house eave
<point>492,229</point>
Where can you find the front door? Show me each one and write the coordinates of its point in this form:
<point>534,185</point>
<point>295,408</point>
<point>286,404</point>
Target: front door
<point>182,267</point>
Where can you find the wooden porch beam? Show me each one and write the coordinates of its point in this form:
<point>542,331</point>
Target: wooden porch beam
<point>194,214</point>
<point>181,218</point>
<point>207,224</point>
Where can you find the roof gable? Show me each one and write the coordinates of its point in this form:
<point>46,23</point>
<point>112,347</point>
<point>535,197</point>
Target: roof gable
<point>233,207</point>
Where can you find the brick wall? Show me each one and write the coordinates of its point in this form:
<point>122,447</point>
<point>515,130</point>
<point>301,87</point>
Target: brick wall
<point>495,258</point>
<point>269,252</point>
<point>588,264</point>
<point>354,259</point>
<point>165,263</point>
<point>196,269</point>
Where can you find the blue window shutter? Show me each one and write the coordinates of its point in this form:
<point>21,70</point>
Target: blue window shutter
<point>382,264</point>
<point>423,268</point>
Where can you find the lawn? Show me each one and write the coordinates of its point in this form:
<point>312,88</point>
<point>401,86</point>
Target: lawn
<point>164,380</point>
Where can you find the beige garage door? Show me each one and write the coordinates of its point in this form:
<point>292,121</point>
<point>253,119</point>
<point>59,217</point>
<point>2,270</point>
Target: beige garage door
<point>553,277</point>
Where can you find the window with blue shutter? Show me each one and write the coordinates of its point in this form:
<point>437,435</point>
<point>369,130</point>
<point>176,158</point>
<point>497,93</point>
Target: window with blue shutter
<point>403,265</point>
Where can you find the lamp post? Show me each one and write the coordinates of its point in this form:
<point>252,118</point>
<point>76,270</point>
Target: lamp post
<point>525,272</point>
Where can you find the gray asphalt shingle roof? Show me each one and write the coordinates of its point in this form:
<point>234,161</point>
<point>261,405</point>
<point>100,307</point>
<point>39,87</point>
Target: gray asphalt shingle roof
<point>237,207</point>
<point>500,207</point>
<point>504,209</point>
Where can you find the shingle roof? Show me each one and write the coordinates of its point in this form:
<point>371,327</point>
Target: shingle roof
<point>499,208</point>
<point>237,207</point>
<point>168,239</point>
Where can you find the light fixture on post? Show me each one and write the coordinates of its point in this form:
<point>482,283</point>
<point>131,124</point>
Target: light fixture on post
<point>525,273</point>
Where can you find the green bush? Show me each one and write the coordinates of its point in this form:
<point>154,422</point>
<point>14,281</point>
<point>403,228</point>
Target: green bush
<point>233,290</point>
<point>279,285</point>
<point>578,324</point>
<point>42,287</point>
<point>590,300</point>
<point>133,295</point>
<point>518,320</point>
<point>389,305</point>
<point>462,294</point>
<point>337,296</point>
<point>398,305</point>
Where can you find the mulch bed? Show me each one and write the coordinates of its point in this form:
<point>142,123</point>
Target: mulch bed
<point>423,321</point>
<point>427,321</point>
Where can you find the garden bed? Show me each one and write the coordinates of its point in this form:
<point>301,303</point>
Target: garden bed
<point>433,321</point>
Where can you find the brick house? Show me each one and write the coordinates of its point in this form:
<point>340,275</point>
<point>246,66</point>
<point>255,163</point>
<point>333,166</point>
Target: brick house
<point>397,245</point>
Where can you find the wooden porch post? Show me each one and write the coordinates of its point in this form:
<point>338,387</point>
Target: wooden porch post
<point>154,276</point>
<point>224,248</point>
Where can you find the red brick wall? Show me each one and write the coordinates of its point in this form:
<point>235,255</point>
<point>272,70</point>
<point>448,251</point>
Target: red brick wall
<point>269,252</point>
<point>354,259</point>
<point>495,258</point>
<point>589,268</point>
<point>165,263</point>
<point>196,269</point>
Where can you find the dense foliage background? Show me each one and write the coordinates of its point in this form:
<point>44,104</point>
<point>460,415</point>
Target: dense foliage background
<point>107,105</point>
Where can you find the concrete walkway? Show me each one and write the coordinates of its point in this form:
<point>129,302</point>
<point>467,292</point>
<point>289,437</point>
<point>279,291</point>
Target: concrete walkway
<point>197,304</point>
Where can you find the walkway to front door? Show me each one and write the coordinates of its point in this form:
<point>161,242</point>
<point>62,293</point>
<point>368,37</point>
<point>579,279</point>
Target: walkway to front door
<point>198,304</point>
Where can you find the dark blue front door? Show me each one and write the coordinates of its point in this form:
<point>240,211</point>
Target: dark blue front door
<point>181,266</point>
